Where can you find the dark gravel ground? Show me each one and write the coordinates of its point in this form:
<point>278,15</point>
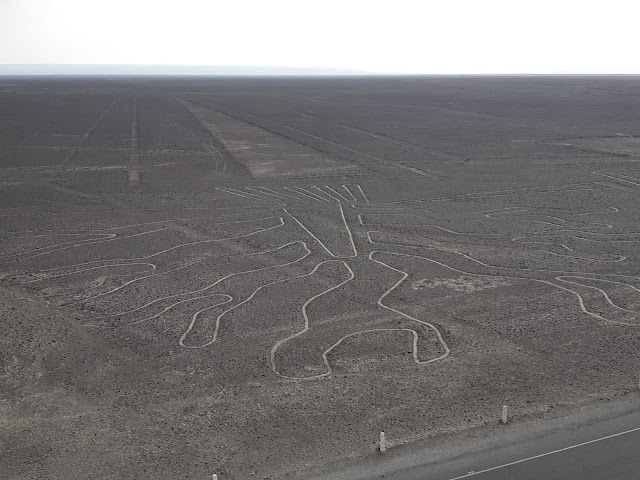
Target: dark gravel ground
<point>254,277</point>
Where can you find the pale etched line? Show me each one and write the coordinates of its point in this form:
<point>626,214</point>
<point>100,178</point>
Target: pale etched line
<point>344,220</point>
<point>620,258</point>
<point>340,195</point>
<point>273,193</point>
<point>405,275</point>
<point>509,191</point>
<point>360,332</point>
<point>134,156</point>
<point>179,246</point>
<point>627,176</point>
<point>473,474</point>
<point>152,265</point>
<point>489,215</point>
<point>76,242</point>
<point>362,192</point>
<point>94,243</point>
<point>301,190</point>
<point>305,329</point>
<point>243,194</point>
<point>497,209</point>
<point>349,192</point>
<point>194,318</point>
<point>605,295</point>
<point>577,294</point>
<point>611,209</point>
<point>136,322</point>
<point>85,212</point>
<point>309,232</point>
<point>368,234</point>
<point>357,152</point>
<point>616,178</point>
<point>88,133</point>
<point>65,234</point>
<point>325,193</point>
<point>204,289</point>
<point>280,224</point>
<point>248,299</point>
<point>133,235</point>
<point>362,222</point>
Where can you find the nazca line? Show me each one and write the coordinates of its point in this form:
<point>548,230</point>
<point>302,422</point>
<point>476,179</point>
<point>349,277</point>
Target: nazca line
<point>380,303</point>
<point>310,195</point>
<point>147,257</point>
<point>495,266</point>
<point>159,253</point>
<point>262,193</point>
<point>353,246</point>
<point>349,192</point>
<point>113,236</point>
<point>248,299</point>
<point>86,241</point>
<point>112,239</point>
<point>208,287</point>
<point>274,194</point>
<point>577,294</point>
<point>361,220</point>
<point>619,179</point>
<point>174,247</point>
<point>362,192</point>
<point>516,239</point>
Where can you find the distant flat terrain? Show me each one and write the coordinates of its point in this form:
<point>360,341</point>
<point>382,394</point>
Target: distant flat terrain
<point>255,276</point>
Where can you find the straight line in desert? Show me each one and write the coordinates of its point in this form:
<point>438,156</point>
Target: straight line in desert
<point>331,142</point>
<point>386,138</point>
<point>88,133</point>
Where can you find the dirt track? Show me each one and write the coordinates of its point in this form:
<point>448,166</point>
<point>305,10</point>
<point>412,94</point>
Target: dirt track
<point>254,277</point>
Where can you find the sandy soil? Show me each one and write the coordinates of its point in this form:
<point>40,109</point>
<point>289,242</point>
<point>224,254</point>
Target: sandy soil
<point>255,277</point>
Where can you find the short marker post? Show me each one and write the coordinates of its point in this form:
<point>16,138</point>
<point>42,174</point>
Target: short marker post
<point>504,414</point>
<point>383,446</point>
<point>215,477</point>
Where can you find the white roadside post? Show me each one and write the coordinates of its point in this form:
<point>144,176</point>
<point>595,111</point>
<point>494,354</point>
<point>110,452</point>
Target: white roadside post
<point>504,414</point>
<point>383,446</point>
<point>215,477</point>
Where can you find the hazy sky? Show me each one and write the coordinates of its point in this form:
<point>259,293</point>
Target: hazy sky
<point>397,36</point>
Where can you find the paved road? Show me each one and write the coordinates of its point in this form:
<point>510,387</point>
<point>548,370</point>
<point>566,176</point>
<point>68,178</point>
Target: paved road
<point>615,457</point>
<point>607,449</point>
<point>595,444</point>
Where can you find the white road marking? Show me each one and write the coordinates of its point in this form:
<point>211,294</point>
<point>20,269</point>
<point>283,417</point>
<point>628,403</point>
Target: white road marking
<point>553,452</point>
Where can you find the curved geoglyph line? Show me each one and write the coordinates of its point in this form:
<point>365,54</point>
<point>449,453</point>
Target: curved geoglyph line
<point>154,266</point>
<point>579,297</point>
<point>226,277</point>
<point>214,337</point>
<point>182,245</point>
<point>305,329</point>
<point>380,304</point>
